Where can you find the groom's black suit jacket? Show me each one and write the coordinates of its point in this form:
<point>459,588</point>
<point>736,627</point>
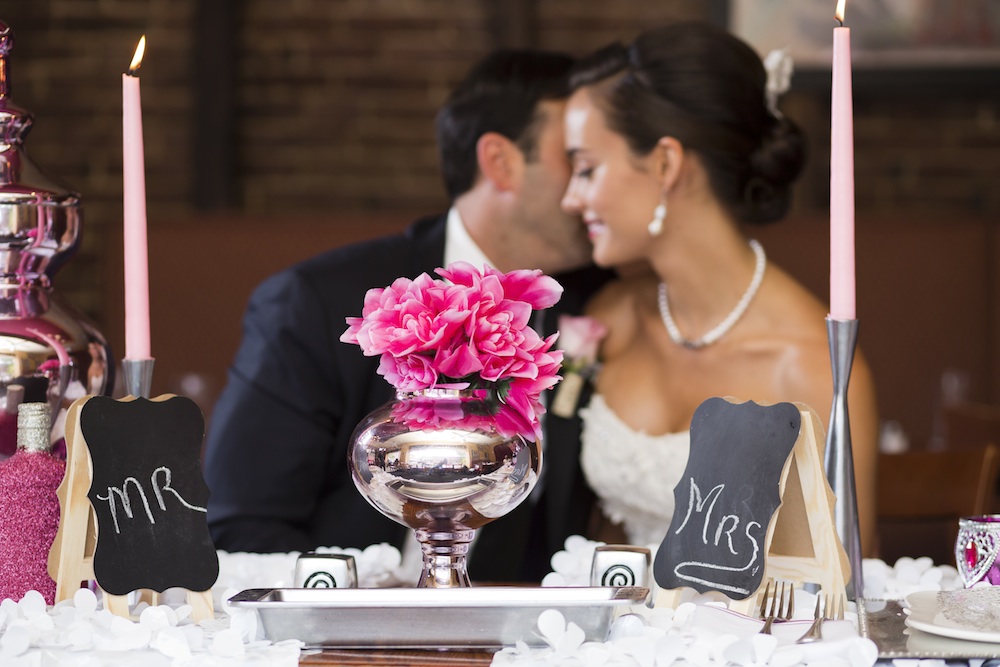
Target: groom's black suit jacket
<point>276,451</point>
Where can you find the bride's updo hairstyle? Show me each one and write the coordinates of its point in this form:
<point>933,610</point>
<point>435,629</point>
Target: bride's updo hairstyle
<point>706,88</point>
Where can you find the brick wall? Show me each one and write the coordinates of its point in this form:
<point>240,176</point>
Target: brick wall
<point>335,102</point>
<point>578,27</point>
<point>337,99</point>
<point>941,157</point>
<point>915,151</point>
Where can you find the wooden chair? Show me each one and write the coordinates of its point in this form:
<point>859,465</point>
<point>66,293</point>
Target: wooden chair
<point>971,424</point>
<point>921,495</point>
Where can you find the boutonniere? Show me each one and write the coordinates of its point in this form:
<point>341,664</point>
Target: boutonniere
<point>579,338</point>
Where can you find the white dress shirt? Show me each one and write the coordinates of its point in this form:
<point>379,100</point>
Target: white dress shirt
<point>459,246</point>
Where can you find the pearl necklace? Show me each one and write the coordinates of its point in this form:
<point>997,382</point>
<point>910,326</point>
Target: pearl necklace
<point>731,319</point>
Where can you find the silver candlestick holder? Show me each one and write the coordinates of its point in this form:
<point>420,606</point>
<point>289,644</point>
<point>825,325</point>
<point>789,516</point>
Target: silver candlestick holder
<point>138,376</point>
<point>838,459</point>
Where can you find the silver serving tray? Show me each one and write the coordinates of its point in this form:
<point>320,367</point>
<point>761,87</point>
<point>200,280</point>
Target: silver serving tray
<point>485,617</point>
<point>884,622</point>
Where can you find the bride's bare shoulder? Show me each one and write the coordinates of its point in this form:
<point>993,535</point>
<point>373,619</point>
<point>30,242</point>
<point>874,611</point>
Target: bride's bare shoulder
<point>618,297</point>
<point>619,303</point>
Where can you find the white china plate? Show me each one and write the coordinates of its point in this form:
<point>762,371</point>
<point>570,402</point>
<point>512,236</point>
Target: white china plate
<point>926,616</point>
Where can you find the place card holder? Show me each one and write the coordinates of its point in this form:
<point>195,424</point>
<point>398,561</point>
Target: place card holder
<point>621,565</point>
<point>325,570</point>
<point>72,557</point>
<point>801,544</point>
<point>804,546</point>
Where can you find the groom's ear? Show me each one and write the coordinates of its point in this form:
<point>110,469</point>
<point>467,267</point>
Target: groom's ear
<point>669,161</point>
<point>499,160</point>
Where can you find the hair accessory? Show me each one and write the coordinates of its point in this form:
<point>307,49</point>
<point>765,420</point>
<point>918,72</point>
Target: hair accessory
<point>655,226</point>
<point>779,68</point>
<point>732,318</point>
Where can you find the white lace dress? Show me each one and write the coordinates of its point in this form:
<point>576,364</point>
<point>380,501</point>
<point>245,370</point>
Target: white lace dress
<point>633,473</point>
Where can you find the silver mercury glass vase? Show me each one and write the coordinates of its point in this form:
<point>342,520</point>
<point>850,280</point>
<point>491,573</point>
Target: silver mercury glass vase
<point>440,462</point>
<point>49,352</point>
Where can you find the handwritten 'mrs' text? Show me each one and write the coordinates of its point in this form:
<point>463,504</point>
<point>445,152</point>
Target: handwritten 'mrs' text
<point>713,533</point>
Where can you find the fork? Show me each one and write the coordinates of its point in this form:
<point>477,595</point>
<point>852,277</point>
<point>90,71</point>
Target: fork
<point>781,608</point>
<point>828,608</point>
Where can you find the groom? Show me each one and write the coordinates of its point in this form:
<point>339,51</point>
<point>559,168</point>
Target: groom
<point>276,452</point>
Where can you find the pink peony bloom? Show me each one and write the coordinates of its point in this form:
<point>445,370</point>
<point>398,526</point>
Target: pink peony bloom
<point>524,411</point>
<point>472,327</point>
<point>457,362</point>
<point>410,373</point>
<point>408,317</point>
<point>538,290</point>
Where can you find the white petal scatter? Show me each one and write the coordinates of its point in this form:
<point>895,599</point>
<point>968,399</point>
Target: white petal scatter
<point>701,632</point>
<point>32,604</point>
<point>702,635</point>
<point>85,601</point>
<point>751,651</point>
<point>172,643</point>
<point>227,644</point>
<point>16,639</point>
<point>571,566</point>
<point>80,631</point>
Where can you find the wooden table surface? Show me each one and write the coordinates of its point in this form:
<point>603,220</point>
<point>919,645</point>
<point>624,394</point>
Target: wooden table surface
<point>396,658</point>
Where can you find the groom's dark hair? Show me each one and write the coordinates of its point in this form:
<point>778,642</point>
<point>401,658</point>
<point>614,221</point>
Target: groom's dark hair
<point>500,94</point>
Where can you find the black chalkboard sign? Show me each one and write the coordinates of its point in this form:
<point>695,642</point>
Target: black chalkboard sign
<point>148,494</point>
<point>727,498</point>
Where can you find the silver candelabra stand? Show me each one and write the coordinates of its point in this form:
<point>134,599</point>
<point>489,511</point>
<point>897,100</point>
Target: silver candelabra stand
<point>838,459</point>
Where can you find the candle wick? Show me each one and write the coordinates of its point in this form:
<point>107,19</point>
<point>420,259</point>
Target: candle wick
<point>133,71</point>
<point>840,21</point>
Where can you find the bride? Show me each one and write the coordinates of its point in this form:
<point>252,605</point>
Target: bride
<point>675,143</point>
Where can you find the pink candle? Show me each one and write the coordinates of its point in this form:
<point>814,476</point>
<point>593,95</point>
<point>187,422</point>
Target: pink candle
<point>134,231</point>
<point>842,288</point>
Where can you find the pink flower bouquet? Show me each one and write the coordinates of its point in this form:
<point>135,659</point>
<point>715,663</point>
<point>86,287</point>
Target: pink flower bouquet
<point>469,330</point>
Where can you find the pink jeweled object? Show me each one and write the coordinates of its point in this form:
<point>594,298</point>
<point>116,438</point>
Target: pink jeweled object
<point>29,507</point>
<point>977,548</point>
<point>47,348</point>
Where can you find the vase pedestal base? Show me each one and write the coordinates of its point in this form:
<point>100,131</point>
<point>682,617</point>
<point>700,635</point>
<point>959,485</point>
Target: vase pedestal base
<point>445,557</point>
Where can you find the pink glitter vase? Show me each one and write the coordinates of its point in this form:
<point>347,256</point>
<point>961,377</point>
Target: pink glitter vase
<point>29,507</point>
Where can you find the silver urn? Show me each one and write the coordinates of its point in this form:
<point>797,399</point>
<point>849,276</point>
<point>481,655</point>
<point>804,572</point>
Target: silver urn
<point>49,352</point>
<point>443,462</point>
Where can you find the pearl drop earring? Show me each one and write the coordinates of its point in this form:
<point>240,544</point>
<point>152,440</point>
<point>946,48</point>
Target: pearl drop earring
<point>659,214</point>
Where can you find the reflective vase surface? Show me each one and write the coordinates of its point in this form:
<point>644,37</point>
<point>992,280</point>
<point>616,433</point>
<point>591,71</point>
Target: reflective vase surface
<point>49,352</point>
<point>435,461</point>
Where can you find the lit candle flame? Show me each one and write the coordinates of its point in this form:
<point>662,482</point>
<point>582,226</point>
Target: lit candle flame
<point>839,14</point>
<point>141,49</point>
